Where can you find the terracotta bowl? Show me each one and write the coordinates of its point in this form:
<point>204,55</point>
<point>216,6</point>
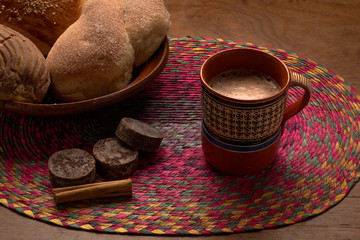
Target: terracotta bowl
<point>142,77</point>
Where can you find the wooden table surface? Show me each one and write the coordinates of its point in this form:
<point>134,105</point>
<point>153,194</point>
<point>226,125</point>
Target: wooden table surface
<point>326,31</point>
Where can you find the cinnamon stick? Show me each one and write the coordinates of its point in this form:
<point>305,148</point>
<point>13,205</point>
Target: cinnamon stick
<point>93,190</point>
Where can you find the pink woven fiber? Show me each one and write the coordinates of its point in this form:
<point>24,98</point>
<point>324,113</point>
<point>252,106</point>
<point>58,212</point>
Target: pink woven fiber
<point>175,191</point>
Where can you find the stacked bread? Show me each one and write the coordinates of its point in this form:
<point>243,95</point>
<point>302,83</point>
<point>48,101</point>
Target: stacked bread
<point>91,46</point>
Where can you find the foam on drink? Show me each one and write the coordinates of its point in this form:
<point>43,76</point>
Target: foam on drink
<point>245,84</point>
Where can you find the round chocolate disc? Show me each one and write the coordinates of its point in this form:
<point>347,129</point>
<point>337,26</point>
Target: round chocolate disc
<point>71,167</point>
<point>139,135</point>
<point>115,160</point>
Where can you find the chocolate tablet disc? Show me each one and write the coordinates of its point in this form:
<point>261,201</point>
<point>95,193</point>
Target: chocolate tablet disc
<point>71,167</point>
<point>139,135</point>
<point>115,160</point>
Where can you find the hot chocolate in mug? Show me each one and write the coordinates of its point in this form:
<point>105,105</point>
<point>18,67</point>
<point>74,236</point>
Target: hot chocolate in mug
<point>240,135</point>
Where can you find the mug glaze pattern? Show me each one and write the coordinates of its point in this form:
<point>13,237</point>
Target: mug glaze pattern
<point>241,122</point>
<point>242,136</point>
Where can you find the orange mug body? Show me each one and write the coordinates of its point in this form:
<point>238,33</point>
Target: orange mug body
<point>242,136</point>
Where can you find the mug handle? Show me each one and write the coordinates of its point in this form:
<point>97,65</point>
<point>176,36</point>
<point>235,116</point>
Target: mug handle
<point>298,80</point>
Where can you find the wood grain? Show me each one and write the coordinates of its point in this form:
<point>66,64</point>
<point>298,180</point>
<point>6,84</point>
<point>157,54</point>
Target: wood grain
<point>327,32</point>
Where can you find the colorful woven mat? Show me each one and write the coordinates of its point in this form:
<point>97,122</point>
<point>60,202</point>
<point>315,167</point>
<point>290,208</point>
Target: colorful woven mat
<point>175,191</point>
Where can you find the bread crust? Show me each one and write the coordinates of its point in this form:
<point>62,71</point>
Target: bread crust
<point>147,23</point>
<point>93,57</point>
<point>42,21</point>
<point>24,75</point>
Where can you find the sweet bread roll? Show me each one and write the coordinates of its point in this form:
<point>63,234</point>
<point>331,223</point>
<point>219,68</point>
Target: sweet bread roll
<point>24,75</point>
<point>147,23</point>
<point>96,55</point>
<point>42,21</point>
<point>93,57</point>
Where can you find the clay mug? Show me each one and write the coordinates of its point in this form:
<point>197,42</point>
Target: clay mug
<point>242,136</point>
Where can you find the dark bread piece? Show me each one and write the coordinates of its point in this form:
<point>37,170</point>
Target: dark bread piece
<point>71,167</point>
<point>139,135</point>
<point>115,160</point>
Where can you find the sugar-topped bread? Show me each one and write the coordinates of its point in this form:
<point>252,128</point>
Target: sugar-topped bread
<point>93,57</point>
<point>42,21</point>
<point>96,55</point>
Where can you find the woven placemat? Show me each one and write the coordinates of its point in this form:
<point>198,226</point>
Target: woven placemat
<point>174,190</point>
